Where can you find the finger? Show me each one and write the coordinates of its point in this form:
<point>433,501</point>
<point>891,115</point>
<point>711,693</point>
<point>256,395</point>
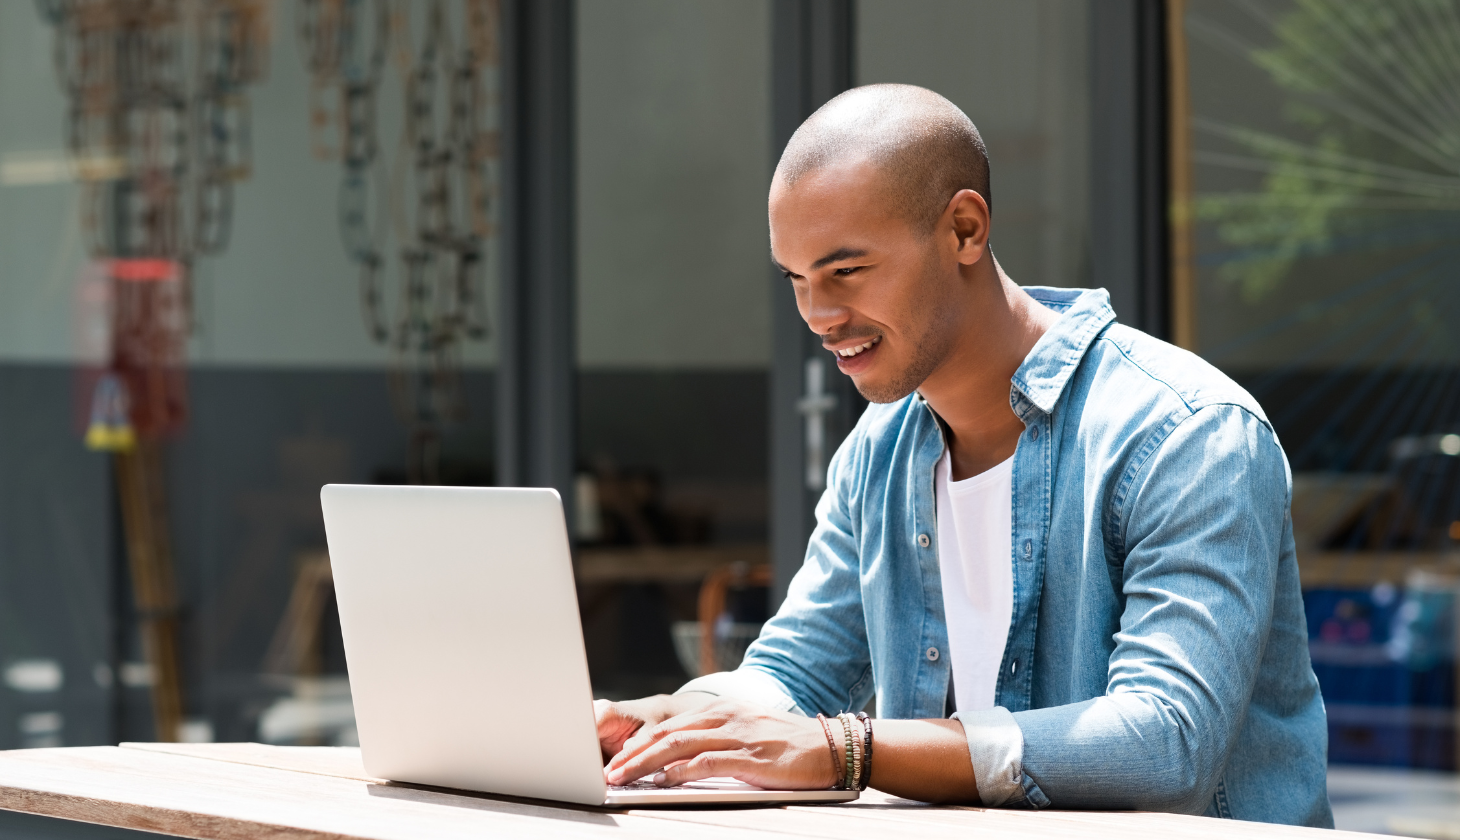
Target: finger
<point>706,765</point>
<point>671,747</point>
<point>602,709</point>
<point>607,719</point>
<point>614,727</point>
<point>649,735</point>
<point>676,746</point>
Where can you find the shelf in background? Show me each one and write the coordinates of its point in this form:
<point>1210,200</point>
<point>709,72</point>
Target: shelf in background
<point>663,564</point>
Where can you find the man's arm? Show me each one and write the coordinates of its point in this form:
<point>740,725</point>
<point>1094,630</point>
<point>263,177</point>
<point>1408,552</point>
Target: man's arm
<point>920,759</point>
<point>1203,530</point>
<point>814,650</point>
<point>811,656</point>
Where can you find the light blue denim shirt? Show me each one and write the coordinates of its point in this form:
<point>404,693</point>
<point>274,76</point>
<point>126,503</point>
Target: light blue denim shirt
<point>1157,658</point>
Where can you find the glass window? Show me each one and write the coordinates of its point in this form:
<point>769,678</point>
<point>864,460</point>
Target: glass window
<point>1316,169</point>
<point>673,164</point>
<point>1020,72</point>
<point>243,258</point>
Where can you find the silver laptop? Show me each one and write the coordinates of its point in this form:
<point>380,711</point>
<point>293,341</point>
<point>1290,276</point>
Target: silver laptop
<point>465,652</point>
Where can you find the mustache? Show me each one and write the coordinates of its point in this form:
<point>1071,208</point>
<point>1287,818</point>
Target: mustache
<point>846,335</point>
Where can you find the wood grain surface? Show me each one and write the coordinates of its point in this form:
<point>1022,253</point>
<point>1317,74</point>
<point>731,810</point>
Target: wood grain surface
<point>258,791</point>
<point>343,762</point>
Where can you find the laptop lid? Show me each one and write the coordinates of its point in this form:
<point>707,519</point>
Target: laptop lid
<point>462,639</point>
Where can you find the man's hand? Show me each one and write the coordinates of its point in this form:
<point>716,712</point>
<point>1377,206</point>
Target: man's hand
<point>744,741</point>
<point>696,736</point>
<point>617,722</point>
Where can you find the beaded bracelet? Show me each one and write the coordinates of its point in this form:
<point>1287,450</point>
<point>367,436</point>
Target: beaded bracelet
<point>866,750</point>
<point>839,784</point>
<point>861,752</point>
<point>854,751</point>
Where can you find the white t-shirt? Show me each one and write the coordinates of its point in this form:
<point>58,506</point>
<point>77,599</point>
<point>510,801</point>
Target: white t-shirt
<point>975,554</point>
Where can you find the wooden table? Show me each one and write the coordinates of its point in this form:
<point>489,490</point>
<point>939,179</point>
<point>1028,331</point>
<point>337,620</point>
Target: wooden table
<point>257,791</point>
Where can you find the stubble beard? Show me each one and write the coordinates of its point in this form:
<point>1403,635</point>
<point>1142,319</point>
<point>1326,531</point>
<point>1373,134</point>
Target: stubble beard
<point>929,348</point>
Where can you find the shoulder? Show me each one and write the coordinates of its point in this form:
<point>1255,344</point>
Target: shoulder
<point>1128,371</point>
<point>1155,415</point>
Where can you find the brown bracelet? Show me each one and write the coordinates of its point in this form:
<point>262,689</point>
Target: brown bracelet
<point>866,750</point>
<point>831,744</point>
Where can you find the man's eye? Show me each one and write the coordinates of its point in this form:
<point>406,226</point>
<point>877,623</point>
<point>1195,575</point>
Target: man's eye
<point>843,272</point>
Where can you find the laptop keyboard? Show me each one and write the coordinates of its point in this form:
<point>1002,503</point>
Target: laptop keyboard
<point>713,784</point>
<point>644,784</point>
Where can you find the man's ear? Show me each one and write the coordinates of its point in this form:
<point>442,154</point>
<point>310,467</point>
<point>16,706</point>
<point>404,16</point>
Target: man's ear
<point>969,217</point>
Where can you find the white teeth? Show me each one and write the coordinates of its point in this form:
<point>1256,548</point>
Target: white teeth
<point>852,351</point>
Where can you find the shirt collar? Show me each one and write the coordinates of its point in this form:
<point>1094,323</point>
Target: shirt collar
<point>1042,376</point>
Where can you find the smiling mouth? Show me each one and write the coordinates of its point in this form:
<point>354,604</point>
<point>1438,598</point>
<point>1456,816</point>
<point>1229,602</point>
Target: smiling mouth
<point>859,349</point>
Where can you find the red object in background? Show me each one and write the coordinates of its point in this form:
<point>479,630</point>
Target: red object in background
<point>133,315</point>
<point>149,342</point>
<point>142,270</point>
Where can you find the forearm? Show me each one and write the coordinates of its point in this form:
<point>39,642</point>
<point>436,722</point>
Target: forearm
<point>926,760</point>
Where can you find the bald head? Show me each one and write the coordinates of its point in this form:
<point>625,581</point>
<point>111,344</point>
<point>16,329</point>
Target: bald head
<point>927,149</point>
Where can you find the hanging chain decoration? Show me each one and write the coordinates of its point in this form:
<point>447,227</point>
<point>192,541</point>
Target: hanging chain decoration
<point>232,56</point>
<point>121,68</point>
<point>157,150</point>
<point>157,143</point>
<point>345,46</point>
<point>441,200</point>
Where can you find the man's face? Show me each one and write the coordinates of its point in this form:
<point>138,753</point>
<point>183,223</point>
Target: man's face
<point>880,293</point>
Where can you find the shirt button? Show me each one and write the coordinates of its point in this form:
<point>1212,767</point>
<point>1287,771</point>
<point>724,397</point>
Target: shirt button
<point>1014,666</point>
<point>1034,433</point>
<point>1028,549</point>
<point>923,540</point>
<point>932,654</point>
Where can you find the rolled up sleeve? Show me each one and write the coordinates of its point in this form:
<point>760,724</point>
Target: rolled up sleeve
<point>996,748</point>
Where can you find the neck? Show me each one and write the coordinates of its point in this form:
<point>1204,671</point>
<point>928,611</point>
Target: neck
<point>970,390</point>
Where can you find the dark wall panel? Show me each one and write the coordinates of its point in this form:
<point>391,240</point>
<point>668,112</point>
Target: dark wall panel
<point>55,544</point>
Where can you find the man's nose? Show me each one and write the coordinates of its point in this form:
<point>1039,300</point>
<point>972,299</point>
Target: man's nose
<point>824,312</point>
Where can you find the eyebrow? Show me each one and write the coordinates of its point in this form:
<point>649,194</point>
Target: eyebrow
<point>835,256</point>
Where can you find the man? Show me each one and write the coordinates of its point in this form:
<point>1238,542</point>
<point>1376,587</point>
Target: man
<point>1073,535</point>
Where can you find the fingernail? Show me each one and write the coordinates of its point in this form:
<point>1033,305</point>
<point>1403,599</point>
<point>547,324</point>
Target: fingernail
<point>661,778</point>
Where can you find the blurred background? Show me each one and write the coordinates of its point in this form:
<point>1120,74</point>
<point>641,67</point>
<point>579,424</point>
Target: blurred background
<point>254,246</point>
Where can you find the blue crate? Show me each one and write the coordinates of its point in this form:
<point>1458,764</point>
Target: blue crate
<point>1384,659</point>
